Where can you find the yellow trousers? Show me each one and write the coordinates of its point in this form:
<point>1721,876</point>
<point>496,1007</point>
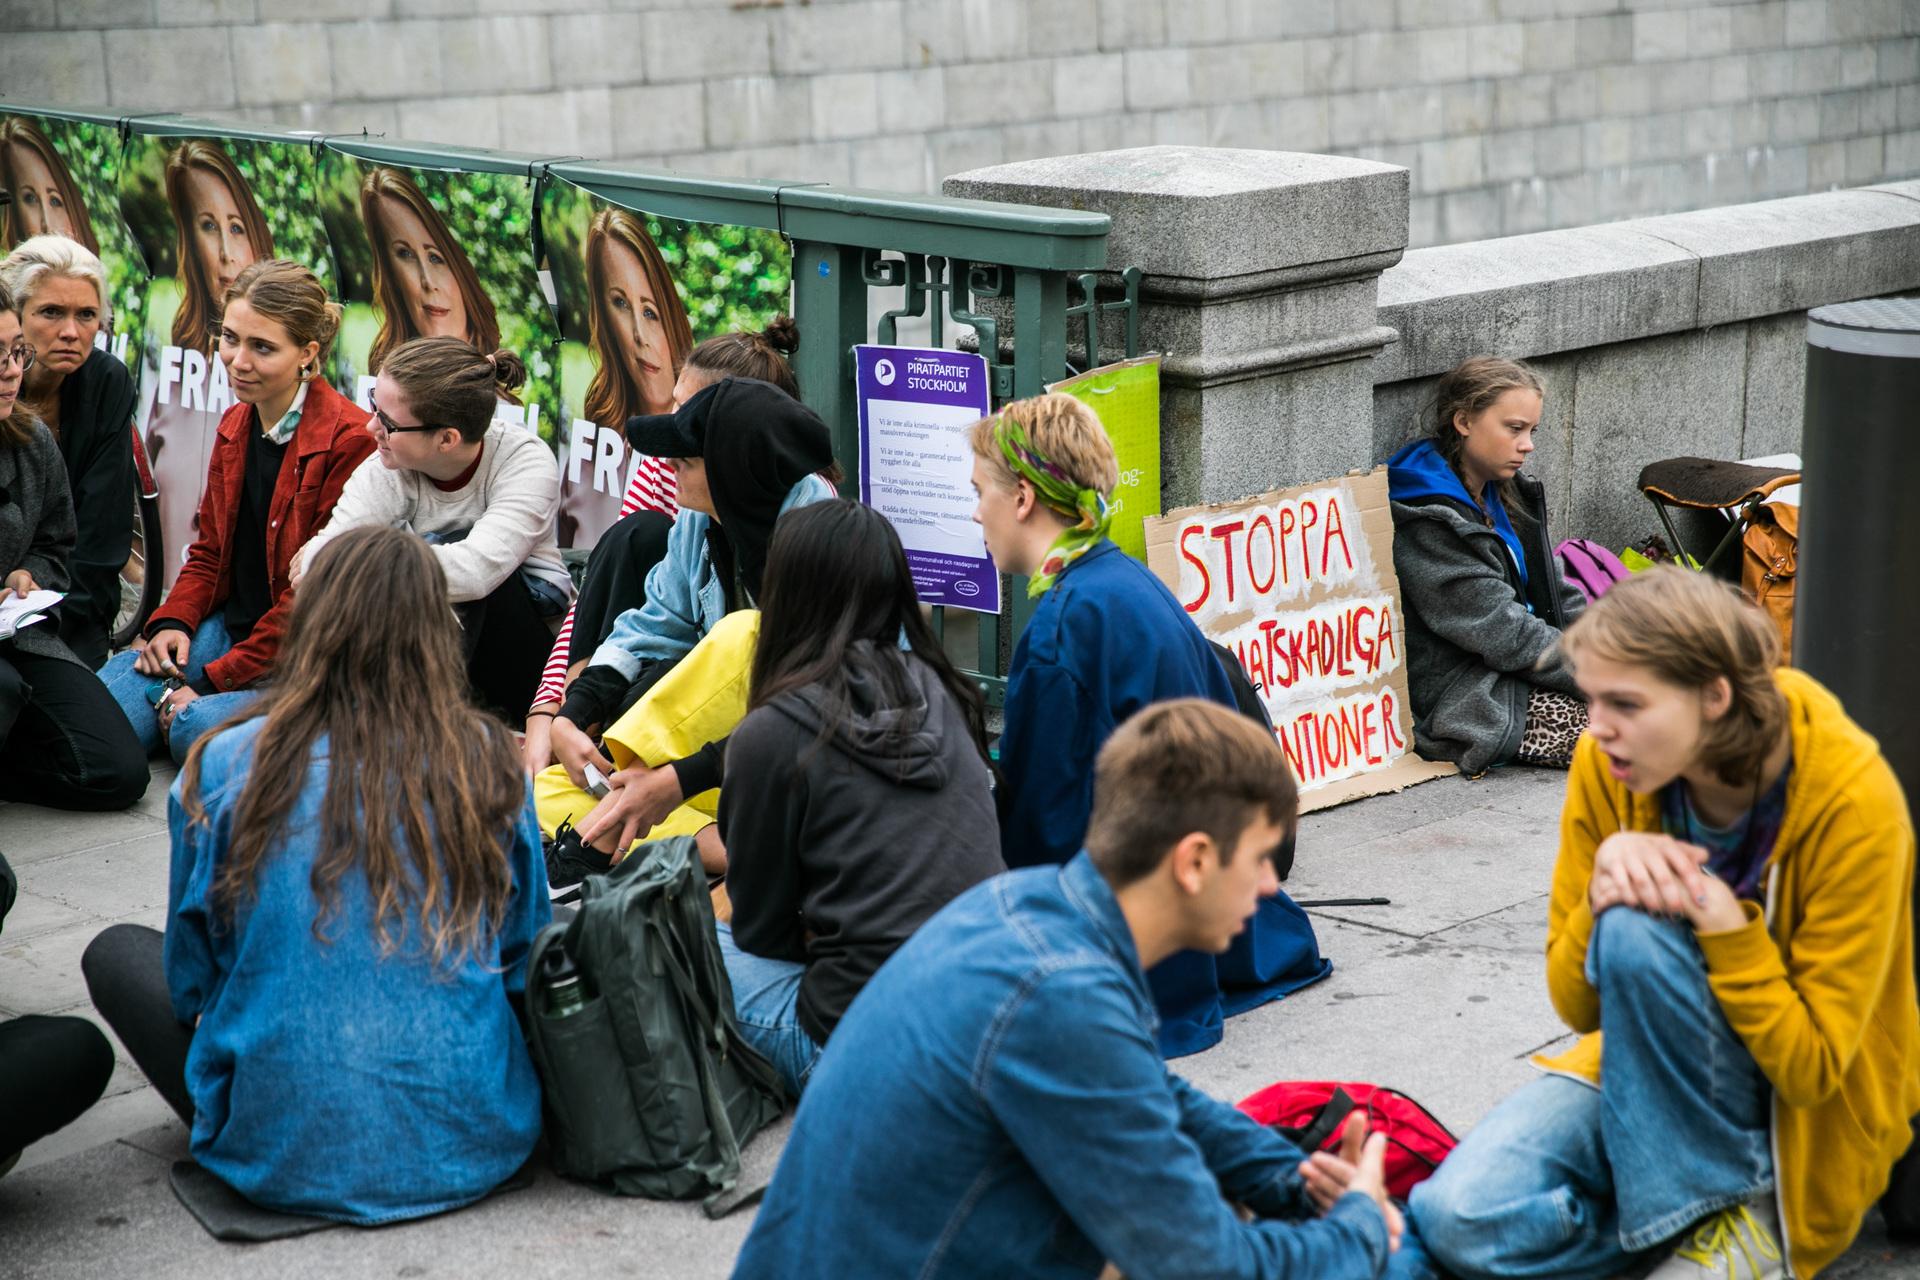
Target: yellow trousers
<point>699,701</point>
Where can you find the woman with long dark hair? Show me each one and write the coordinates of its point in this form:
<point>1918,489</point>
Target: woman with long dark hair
<point>219,232</point>
<point>857,799</point>
<point>356,881</point>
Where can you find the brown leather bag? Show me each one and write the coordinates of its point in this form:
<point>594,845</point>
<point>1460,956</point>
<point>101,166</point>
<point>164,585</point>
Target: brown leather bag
<point>1770,554</point>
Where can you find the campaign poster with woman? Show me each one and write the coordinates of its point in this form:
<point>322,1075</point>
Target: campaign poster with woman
<point>636,292</point>
<point>427,253</point>
<point>62,176</point>
<point>202,210</point>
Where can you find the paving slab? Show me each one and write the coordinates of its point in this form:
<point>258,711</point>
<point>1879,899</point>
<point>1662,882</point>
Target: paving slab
<point>1440,994</point>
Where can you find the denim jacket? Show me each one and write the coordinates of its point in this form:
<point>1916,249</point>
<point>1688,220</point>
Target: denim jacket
<point>327,1078</point>
<point>685,597</point>
<point>994,1104</point>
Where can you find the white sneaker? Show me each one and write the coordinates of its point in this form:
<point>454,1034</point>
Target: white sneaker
<point>1741,1243</point>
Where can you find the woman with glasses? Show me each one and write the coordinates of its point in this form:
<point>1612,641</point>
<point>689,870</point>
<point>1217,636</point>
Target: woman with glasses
<point>85,397</point>
<point>482,492</point>
<point>281,457</point>
<point>61,741</point>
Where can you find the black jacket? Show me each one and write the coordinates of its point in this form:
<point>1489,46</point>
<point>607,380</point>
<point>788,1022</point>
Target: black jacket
<point>96,417</point>
<point>839,847</point>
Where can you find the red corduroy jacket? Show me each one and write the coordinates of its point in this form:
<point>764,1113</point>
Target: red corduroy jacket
<point>329,443</point>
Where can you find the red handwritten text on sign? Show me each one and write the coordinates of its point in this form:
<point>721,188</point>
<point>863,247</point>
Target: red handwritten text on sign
<point>1231,560</point>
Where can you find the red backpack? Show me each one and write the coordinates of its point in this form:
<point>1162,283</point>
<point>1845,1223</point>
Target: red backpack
<point>1310,1113</point>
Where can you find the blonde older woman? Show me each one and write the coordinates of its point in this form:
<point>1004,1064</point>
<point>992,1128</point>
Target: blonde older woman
<point>85,397</point>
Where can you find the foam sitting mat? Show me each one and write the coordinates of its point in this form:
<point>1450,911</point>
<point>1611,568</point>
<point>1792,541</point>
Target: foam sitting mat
<point>228,1215</point>
<point>1707,483</point>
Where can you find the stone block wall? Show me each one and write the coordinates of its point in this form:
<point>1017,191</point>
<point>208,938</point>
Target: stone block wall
<point>1512,115</point>
<point>1656,337</point>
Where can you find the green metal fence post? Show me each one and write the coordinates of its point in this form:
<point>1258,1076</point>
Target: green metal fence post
<point>830,301</point>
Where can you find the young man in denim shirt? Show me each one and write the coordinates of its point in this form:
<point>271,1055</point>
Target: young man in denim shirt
<point>994,1102</point>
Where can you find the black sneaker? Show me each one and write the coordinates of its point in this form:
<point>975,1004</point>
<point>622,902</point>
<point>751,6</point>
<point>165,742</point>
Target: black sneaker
<point>569,862</point>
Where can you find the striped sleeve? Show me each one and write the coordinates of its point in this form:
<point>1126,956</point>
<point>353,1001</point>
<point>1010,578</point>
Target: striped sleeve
<point>650,489</point>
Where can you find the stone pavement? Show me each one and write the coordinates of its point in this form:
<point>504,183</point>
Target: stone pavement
<point>1440,994</point>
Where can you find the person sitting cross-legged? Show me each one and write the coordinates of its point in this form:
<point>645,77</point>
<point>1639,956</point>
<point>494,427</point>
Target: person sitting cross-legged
<point>858,799</point>
<point>483,492</point>
<point>1731,930</point>
<point>994,1102</point>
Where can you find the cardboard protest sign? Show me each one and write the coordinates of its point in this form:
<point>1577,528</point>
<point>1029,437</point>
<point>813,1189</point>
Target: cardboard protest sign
<point>636,292</point>
<point>1300,586</point>
<point>1126,396</point>
<point>432,252</point>
<point>916,404</point>
<point>202,209</point>
<point>64,175</point>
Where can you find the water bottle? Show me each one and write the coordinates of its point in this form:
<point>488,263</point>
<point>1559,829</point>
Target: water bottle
<point>566,992</point>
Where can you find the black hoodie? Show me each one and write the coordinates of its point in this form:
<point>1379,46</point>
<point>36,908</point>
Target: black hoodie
<point>840,846</point>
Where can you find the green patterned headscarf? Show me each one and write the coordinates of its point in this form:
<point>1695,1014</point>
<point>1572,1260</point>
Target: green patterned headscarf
<point>1085,506</point>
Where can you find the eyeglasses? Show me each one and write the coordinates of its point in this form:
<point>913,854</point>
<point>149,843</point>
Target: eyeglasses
<point>20,354</point>
<point>388,426</point>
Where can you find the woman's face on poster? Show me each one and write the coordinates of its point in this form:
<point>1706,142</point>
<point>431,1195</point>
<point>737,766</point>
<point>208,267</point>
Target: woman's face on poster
<point>632,314</point>
<point>39,200</point>
<point>219,232</point>
<point>425,272</point>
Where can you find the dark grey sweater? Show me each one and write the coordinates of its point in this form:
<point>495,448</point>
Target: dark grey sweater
<point>839,847</point>
<point>1472,645</point>
<point>36,528</point>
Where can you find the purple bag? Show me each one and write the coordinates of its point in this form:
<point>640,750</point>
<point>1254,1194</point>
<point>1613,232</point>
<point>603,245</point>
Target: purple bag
<point>1589,566</point>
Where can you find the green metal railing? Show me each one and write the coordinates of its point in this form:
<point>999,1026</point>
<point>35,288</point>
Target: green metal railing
<point>998,271</point>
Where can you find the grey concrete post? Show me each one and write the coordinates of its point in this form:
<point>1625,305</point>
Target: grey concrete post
<point>1261,277</point>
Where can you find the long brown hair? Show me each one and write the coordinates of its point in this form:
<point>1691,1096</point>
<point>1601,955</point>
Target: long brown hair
<point>422,788</point>
<point>612,397</point>
<point>192,324</point>
<point>18,131</point>
<point>1469,388</point>
<point>396,322</point>
<point>1685,629</point>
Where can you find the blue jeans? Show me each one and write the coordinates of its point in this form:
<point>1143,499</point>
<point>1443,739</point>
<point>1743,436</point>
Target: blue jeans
<point>129,689</point>
<point>1568,1180</point>
<point>766,995</point>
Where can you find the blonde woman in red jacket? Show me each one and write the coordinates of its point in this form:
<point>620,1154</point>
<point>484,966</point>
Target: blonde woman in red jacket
<point>282,455</point>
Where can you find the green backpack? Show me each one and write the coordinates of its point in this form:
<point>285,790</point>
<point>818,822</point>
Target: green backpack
<point>650,1089</point>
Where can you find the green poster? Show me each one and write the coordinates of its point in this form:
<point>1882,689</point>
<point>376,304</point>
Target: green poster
<point>1127,398</point>
<point>63,176</point>
<point>202,210</point>
<point>636,292</point>
<point>433,252</point>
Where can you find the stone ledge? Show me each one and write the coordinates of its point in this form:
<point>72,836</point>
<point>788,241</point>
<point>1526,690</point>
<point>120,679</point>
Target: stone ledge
<point>1211,213</point>
<point>1590,286</point>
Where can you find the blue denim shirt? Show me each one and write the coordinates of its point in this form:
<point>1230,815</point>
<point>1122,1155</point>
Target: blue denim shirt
<point>328,1079</point>
<point>685,597</point>
<point>994,1105</point>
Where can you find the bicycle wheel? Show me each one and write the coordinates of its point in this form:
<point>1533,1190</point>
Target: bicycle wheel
<point>145,570</point>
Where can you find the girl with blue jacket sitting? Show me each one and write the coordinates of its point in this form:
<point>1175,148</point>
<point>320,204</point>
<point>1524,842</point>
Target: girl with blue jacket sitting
<point>1485,601</point>
<point>670,681</point>
<point>1105,640</point>
<point>356,880</point>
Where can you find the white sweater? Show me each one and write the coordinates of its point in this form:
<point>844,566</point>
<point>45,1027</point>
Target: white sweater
<point>508,508</point>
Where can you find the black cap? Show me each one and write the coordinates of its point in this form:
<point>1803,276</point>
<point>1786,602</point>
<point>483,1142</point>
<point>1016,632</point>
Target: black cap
<point>680,434</point>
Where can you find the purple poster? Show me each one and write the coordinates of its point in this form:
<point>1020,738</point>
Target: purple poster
<point>915,466</point>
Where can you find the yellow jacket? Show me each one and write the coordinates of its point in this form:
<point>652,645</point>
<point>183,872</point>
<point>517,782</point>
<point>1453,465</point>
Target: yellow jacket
<point>1821,989</point>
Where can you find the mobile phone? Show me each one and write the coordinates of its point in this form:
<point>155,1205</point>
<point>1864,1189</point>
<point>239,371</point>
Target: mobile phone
<point>596,782</point>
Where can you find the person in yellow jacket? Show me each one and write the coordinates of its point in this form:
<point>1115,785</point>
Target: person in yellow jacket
<point>1731,918</point>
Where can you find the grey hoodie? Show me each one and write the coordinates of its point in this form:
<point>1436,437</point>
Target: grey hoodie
<point>841,843</point>
<point>1472,641</point>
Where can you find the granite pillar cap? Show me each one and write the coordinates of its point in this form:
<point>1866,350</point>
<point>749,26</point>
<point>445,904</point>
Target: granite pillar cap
<point>1211,213</point>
